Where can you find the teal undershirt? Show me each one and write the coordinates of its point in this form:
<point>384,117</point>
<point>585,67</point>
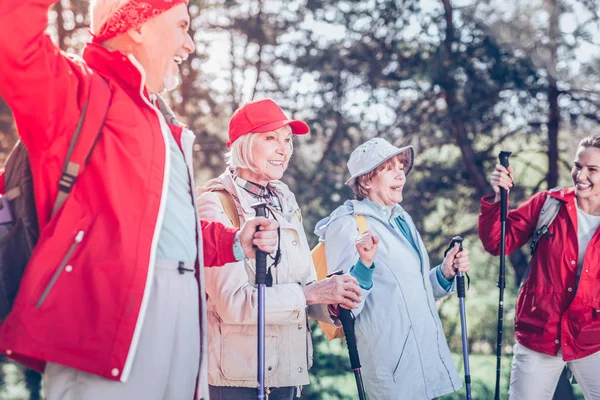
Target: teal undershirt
<point>444,283</point>
<point>177,240</point>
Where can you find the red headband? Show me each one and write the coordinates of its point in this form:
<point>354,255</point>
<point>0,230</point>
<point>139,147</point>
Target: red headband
<point>133,14</point>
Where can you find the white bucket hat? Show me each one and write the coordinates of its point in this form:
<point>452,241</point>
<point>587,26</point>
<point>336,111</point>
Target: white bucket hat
<point>372,154</point>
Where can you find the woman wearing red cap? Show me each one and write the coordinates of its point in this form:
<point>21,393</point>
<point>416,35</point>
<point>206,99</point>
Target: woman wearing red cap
<point>260,138</point>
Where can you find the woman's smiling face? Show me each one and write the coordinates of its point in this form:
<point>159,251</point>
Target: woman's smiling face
<point>271,152</point>
<point>586,173</point>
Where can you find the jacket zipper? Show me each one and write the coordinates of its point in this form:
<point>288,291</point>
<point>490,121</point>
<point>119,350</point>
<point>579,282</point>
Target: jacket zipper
<point>401,353</point>
<point>61,267</point>
<point>133,344</point>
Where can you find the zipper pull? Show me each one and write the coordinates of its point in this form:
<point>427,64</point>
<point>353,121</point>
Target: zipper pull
<point>79,236</point>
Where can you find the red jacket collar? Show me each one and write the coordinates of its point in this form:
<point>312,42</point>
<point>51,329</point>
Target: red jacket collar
<point>116,66</point>
<point>567,195</point>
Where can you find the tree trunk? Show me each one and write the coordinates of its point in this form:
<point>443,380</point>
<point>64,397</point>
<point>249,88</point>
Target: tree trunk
<point>60,25</point>
<point>33,381</point>
<point>553,7</point>
<point>459,129</point>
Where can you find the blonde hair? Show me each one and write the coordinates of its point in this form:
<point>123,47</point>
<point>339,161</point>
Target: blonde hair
<point>101,11</point>
<point>359,186</point>
<point>239,155</point>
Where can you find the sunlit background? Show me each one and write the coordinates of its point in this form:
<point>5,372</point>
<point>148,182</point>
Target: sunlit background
<point>459,80</point>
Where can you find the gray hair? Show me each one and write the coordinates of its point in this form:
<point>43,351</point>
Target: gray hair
<point>239,155</point>
<point>102,10</point>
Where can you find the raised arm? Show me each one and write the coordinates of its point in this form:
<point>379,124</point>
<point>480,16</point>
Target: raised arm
<point>520,223</point>
<point>342,254</point>
<point>38,82</point>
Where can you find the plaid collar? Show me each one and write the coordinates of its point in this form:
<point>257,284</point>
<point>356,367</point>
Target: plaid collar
<point>264,193</point>
<point>253,188</point>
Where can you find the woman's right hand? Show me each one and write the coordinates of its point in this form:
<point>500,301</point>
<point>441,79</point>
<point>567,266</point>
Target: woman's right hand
<point>366,244</point>
<point>501,178</point>
<point>337,289</point>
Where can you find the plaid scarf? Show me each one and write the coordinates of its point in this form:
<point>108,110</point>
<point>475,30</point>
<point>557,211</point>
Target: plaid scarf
<point>260,192</point>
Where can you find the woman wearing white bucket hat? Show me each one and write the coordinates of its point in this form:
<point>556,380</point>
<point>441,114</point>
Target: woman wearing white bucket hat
<point>399,334</point>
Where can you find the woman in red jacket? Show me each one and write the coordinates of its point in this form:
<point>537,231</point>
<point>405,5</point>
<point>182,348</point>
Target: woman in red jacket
<point>558,309</point>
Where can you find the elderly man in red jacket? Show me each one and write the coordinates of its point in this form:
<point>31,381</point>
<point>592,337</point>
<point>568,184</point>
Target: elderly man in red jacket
<point>112,302</point>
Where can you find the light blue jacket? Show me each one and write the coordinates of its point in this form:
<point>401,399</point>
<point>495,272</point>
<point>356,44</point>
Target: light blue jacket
<point>401,342</point>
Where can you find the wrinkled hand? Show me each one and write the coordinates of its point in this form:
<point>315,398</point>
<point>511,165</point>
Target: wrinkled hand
<point>366,244</point>
<point>501,178</point>
<point>337,289</point>
<point>265,238</point>
<point>454,260</point>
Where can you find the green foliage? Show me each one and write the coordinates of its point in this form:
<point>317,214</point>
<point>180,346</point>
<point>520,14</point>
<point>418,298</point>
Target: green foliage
<point>459,84</point>
<point>330,356</point>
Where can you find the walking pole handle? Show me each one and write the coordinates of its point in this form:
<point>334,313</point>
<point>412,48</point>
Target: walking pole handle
<point>347,320</point>
<point>460,278</point>
<point>503,156</point>
<point>261,256</point>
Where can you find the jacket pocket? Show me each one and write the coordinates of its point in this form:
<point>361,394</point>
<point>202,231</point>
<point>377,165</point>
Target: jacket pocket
<point>590,331</point>
<point>239,355</point>
<point>61,266</point>
<point>397,367</point>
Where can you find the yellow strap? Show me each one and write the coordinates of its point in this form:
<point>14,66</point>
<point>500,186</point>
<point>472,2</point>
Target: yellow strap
<point>320,263</point>
<point>361,221</point>
<point>228,207</point>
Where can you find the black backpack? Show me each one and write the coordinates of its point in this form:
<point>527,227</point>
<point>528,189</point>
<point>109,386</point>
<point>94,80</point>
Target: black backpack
<point>19,228</point>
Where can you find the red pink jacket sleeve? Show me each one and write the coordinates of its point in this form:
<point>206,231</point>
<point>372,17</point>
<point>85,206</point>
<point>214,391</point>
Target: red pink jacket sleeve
<point>520,223</point>
<point>217,243</point>
<point>37,81</point>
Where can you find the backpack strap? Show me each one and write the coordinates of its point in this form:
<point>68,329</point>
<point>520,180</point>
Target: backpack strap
<point>361,222</point>
<point>228,206</point>
<point>548,213</point>
<point>91,122</point>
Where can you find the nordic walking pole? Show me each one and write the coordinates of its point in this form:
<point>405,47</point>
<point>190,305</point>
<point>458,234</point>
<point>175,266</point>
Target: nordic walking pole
<point>261,280</point>
<point>460,289</point>
<point>503,156</point>
<point>347,320</point>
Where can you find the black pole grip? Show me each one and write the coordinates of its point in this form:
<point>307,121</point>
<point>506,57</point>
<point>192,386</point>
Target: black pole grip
<point>347,320</point>
<point>455,239</point>
<point>503,156</point>
<point>460,285</point>
<point>460,278</point>
<point>261,256</point>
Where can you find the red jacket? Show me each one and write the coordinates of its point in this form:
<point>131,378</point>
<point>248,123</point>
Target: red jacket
<point>91,318</point>
<point>551,315</point>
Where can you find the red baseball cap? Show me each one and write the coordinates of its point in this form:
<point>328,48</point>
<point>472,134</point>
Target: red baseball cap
<point>260,116</point>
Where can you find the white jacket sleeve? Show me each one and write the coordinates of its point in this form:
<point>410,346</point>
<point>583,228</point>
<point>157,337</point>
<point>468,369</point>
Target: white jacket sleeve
<point>341,252</point>
<point>230,290</point>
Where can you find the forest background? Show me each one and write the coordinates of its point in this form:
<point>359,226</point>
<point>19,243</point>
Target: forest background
<point>458,79</point>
